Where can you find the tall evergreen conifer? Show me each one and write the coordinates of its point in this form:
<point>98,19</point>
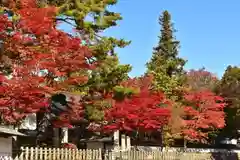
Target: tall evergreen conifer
<point>168,72</point>
<point>165,64</point>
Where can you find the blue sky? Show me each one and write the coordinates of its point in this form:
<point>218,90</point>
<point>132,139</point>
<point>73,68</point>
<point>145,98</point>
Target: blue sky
<point>209,32</point>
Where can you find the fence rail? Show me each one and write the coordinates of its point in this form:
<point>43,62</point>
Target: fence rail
<point>70,154</point>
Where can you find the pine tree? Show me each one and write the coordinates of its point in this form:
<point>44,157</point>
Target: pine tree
<point>165,64</point>
<point>168,72</point>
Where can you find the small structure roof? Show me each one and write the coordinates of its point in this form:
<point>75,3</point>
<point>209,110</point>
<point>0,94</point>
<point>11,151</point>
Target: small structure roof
<point>97,139</point>
<point>9,131</point>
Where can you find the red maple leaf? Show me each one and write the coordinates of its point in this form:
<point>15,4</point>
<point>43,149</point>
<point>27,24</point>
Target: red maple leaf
<point>141,112</point>
<point>203,114</point>
<point>42,54</point>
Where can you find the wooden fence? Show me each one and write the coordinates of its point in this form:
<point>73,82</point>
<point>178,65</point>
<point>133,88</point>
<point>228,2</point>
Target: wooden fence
<point>57,154</point>
<point>157,155</point>
<point>68,154</point>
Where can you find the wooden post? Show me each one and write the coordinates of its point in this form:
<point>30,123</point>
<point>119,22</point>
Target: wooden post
<point>56,137</point>
<point>128,142</point>
<point>116,140</point>
<point>64,135</point>
<point>123,142</point>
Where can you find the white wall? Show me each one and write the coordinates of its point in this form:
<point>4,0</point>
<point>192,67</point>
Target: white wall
<point>5,146</point>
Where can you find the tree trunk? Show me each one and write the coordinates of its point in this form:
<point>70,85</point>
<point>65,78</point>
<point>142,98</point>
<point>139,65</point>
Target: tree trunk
<point>162,138</point>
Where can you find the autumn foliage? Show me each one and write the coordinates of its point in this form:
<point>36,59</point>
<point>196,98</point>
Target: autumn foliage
<point>145,111</point>
<point>203,114</point>
<point>43,60</point>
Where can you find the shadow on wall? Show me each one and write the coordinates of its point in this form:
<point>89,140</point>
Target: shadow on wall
<point>225,156</point>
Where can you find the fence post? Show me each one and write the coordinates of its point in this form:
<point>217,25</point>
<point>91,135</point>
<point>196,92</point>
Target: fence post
<point>41,153</point>
<point>74,154</point>
<point>128,142</point>
<point>99,154</point>
<point>116,137</point>
<point>27,153</point>
<point>20,157</point>
<point>35,151</point>
<point>45,154</point>
<point>123,142</point>
<point>58,153</point>
<point>50,153</point>
<point>54,153</point>
<point>66,153</point>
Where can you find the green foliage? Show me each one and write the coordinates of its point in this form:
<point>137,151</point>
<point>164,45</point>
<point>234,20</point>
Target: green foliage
<point>229,88</point>
<point>94,114</point>
<point>91,16</point>
<point>107,75</point>
<point>121,92</point>
<point>106,79</point>
<point>165,64</point>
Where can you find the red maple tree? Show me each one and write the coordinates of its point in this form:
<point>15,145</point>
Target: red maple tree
<point>43,60</point>
<point>203,114</point>
<point>142,112</point>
